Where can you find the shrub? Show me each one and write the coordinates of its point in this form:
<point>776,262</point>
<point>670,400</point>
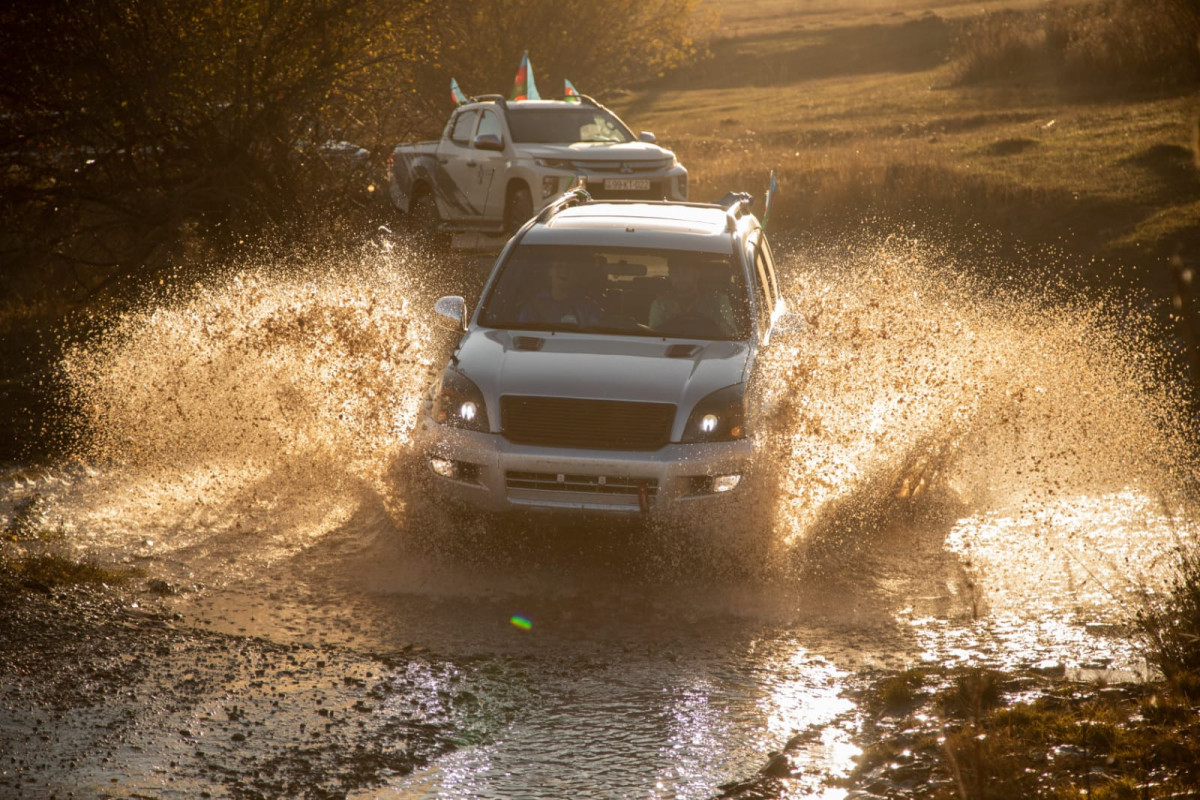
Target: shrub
<point>1170,625</point>
<point>598,46</point>
<point>1113,43</point>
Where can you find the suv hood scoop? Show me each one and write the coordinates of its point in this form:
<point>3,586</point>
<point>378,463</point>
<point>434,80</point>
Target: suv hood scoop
<point>528,342</point>
<point>682,350</point>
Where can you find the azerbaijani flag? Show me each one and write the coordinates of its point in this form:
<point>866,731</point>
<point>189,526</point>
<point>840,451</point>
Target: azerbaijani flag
<point>772,190</point>
<point>524,87</point>
<point>570,92</point>
<point>456,94</point>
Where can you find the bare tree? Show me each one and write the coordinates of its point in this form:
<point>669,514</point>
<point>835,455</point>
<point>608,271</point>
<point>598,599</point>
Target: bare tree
<point>123,123</point>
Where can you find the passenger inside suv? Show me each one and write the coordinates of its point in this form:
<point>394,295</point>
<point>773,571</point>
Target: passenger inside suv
<point>694,302</point>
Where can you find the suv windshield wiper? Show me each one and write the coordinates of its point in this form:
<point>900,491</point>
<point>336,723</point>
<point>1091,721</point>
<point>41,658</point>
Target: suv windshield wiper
<point>549,327</point>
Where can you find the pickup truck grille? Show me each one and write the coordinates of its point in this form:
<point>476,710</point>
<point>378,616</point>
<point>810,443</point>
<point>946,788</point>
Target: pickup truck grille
<point>585,424</point>
<point>617,166</point>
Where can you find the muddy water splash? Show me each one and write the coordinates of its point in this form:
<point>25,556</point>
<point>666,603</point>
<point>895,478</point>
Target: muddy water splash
<point>274,404</point>
<point>1047,438</point>
<point>266,406</point>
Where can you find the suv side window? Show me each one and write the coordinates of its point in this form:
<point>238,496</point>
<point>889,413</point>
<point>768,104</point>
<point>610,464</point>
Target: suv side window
<point>764,303</point>
<point>490,123</point>
<point>464,126</point>
<point>764,251</point>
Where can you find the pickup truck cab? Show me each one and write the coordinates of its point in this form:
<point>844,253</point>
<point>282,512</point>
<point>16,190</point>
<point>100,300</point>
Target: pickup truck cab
<point>500,162</point>
<point>612,365</point>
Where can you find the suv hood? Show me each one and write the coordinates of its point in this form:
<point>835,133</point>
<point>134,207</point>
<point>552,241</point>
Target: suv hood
<point>599,151</point>
<point>595,366</point>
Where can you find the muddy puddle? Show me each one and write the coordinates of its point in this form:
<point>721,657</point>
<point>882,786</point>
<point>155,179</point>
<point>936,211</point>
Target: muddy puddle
<point>958,476</point>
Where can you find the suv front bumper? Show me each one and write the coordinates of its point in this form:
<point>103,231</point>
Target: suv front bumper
<point>489,473</point>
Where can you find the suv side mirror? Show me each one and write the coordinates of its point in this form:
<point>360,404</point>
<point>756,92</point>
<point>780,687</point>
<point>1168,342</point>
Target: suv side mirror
<point>647,137</point>
<point>489,141</point>
<point>453,308</point>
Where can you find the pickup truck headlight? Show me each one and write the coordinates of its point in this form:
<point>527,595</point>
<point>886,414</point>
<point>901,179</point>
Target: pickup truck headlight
<point>719,417</point>
<point>555,163</point>
<point>458,402</point>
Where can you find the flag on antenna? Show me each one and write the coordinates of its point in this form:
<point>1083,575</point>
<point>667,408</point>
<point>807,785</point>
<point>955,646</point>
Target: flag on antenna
<point>772,189</point>
<point>524,87</point>
<point>456,94</point>
<point>570,92</point>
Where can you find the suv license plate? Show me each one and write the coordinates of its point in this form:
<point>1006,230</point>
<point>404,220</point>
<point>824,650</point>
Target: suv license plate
<point>626,184</point>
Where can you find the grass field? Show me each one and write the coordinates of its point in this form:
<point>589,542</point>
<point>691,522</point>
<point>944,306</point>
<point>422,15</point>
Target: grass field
<point>859,107</point>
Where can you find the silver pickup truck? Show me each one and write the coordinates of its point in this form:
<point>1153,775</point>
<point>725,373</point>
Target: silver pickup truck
<point>499,162</point>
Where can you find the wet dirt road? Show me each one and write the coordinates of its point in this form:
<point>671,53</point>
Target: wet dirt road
<point>957,481</point>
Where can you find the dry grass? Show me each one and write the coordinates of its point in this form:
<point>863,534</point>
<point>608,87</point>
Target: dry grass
<point>1101,46</point>
<point>860,109</point>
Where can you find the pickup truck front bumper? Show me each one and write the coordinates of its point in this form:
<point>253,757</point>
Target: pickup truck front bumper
<point>671,184</point>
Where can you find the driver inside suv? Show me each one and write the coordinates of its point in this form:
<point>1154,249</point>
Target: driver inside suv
<point>694,298</point>
<point>562,300</point>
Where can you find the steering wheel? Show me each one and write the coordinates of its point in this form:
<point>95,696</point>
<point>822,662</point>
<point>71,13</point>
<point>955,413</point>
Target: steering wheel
<point>693,325</point>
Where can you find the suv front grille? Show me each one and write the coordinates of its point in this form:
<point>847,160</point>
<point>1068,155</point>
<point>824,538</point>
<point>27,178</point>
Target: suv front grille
<point>585,424</point>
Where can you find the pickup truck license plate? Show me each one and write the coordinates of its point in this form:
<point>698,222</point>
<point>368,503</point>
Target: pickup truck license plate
<point>626,184</point>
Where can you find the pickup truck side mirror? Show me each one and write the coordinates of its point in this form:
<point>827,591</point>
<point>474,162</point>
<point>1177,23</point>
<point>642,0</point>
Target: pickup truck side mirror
<point>489,141</point>
<point>453,308</point>
<point>647,137</point>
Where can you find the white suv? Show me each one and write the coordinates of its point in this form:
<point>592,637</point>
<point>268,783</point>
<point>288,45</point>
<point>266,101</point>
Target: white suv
<point>610,365</point>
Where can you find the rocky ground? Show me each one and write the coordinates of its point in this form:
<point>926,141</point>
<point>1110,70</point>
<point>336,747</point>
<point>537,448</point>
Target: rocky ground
<point>106,694</point>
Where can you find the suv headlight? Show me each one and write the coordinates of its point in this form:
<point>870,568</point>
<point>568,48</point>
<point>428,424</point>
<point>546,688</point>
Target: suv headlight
<point>719,417</point>
<point>458,402</point>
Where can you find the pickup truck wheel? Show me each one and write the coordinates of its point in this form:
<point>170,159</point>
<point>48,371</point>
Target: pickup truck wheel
<point>518,209</point>
<point>423,221</point>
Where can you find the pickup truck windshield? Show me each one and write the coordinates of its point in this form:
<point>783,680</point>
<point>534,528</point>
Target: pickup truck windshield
<point>620,290</point>
<point>566,125</point>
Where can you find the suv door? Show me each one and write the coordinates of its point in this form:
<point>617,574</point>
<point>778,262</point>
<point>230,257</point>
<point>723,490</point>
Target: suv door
<point>457,170</point>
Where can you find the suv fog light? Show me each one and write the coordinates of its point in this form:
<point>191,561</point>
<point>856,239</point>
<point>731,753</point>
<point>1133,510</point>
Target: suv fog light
<point>461,471</point>
<point>549,186</point>
<point>725,483</point>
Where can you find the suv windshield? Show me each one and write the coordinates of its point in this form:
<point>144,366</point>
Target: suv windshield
<point>566,125</point>
<point>620,290</point>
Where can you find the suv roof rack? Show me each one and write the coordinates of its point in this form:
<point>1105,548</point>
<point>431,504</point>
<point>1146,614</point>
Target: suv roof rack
<point>736,204</point>
<point>492,98</point>
<point>573,196</point>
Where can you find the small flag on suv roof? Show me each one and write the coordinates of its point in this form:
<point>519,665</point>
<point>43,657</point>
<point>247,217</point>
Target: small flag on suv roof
<point>570,92</point>
<point>772,190</point>
<point>524,87</point>
<point>456,94</point>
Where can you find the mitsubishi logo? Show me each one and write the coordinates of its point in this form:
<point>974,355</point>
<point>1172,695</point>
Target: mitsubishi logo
<point>626,169</point>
